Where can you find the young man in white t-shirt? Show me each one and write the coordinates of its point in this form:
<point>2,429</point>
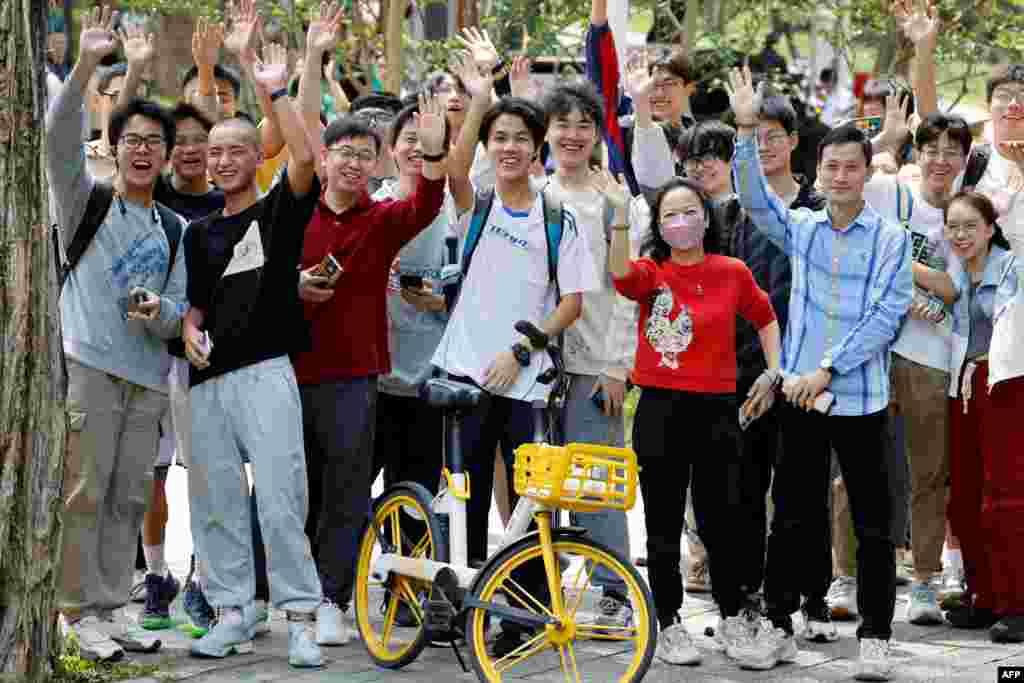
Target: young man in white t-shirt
<point>922,350</point>
<point>507,280</point>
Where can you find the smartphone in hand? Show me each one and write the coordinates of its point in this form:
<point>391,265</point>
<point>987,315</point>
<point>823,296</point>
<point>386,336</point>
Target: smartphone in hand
<point>136,298</point>
<point>329,267</point>
<point>410,281</point>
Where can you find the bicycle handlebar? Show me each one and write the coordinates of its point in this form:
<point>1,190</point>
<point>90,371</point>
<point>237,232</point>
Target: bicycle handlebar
<point>538,338</point>
<point>541,341</point>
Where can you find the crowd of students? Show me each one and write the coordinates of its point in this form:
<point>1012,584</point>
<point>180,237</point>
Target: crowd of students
<point>272,293</point>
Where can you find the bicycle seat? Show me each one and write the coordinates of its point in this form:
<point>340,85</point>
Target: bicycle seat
<point>450,395</point>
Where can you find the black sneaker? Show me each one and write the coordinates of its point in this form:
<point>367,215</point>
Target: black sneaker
<point>972,617</point>
<point>1007,630</point>
<point>160,593</point>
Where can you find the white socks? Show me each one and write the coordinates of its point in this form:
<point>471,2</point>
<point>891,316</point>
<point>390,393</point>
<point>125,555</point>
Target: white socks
<point>155,563</point>
<point>952,560</point>
<point>231,616</point>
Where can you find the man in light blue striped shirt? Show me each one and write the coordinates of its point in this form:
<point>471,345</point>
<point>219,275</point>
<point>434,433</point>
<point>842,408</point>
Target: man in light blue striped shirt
<point>852,284</point>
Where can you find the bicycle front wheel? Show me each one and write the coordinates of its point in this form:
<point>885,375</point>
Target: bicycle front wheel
<point>587,637</point>
<point>389,613</point>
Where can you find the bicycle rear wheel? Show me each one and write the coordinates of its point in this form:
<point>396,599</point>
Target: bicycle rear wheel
<point>585,637</point>
<point>389,613</point>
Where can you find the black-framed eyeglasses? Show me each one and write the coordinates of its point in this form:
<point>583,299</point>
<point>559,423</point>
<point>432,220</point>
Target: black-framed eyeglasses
<point>132,141</point>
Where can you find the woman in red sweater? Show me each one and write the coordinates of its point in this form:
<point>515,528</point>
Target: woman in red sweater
<point>687,419</point>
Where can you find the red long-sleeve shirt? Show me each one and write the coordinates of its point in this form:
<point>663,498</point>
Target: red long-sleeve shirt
<point>687,331</point>
<point>350,330</point>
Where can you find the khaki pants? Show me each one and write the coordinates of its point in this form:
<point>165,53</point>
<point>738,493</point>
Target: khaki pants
<point>108,480</point>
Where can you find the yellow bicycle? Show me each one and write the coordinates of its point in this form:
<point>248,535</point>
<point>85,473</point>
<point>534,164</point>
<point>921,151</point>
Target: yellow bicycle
<point>415,585</point>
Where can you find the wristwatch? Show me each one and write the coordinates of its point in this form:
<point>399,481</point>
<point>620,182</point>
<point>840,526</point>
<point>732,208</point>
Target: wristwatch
<point>826,365</point>
<point>522,354</point>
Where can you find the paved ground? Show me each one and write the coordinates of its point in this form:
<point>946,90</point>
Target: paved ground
<point>921,654</point>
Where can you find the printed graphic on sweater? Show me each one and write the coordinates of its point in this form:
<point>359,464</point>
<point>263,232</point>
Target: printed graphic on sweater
<point>667,336</point>
<point>248,253</point>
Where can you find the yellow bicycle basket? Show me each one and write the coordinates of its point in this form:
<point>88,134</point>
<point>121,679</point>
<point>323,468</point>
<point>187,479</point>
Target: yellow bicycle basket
<point>581,477</point>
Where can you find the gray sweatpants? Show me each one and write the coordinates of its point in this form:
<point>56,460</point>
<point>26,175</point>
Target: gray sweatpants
<point>585,423</point>
<point>253,410</point>
<point>108,480</point>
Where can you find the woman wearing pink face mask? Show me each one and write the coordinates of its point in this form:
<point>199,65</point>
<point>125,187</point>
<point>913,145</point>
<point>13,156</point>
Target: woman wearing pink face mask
<point>686,421</point>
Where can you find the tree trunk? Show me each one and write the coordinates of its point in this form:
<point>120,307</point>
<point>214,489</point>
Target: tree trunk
<point>33,427</point>
<point>393,45</point>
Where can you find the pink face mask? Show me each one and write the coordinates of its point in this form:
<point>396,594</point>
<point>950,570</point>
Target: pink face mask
<point>684,232</point>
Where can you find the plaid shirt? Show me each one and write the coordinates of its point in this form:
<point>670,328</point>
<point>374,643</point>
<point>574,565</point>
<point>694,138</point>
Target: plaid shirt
<point>851,288</point>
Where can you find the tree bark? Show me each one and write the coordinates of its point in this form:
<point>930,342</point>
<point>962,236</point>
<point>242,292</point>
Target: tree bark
<point>393,45</point>
<point>33,426</point>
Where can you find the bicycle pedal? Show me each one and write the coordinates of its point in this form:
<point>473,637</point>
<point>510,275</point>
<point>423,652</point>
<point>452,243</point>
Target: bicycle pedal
<point>438,616</point>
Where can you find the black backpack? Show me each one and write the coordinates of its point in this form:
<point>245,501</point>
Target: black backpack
<point>100,199</point>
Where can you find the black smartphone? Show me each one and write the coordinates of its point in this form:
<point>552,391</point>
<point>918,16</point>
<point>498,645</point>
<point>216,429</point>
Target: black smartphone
<point>410,281</point>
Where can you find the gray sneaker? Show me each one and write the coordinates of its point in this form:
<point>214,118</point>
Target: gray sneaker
<point>93,642</point>
<point>614,612</point>
<point>226,637</point>
<point>923,609</point>
<point>127,633</point>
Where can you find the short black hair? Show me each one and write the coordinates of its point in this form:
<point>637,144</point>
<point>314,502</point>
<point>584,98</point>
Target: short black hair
<point>404,117</point>
<point>347,127</point>
<point>934,125</point>
<point>843,135</point>
<point>827,75</point>
<point>1007,73</point>
<point>656,246</point>
<point>109,73</point>
<point>676,63</point>
<point>530,113</point>
<point>220,73</point>
<point>778,108</point>
<point>437,77</point>
<point>377,100</point>
<point>577,95</point>
<point>146,109</point>
<point>183,111</point>
<point>707,137</point>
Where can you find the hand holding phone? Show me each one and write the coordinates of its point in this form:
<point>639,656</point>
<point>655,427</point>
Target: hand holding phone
<point>330,269</point>
<point>142,304</point>
<point>414,282</point>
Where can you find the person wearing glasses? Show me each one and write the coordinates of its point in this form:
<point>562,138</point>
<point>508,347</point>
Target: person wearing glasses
<point>346,307</point>
<point>378,112</point>
<point>119,306</point>
<point>986,431</point>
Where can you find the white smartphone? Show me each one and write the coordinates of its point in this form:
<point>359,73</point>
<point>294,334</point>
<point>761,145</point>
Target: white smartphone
<point>205,344</point>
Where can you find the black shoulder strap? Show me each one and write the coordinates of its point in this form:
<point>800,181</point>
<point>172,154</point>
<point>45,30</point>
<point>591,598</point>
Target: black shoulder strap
<point>100,199</point>
<point>977,162</point>
<point>172,228</point>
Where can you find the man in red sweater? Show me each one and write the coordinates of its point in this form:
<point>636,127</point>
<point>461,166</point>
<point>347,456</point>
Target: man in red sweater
<point>348,319</point>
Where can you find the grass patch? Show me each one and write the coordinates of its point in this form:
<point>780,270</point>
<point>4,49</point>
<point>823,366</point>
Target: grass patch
<point>71,668</point>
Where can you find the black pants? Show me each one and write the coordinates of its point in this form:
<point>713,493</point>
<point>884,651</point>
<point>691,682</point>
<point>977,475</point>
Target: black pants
<point>507,422</point>
<point>338,426</point>
<point>681,436</point>
<point>409,441</point>
<point>801,531</point>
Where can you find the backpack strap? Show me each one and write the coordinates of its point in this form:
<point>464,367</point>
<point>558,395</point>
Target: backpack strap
<point>554,225</point>
<point>481,211</point>
<point>171,224</point>
<point>977,162</point>
<point>96,208</point>
<point>904,205</point>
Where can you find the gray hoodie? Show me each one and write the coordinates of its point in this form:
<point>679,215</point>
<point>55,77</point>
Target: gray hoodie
<point>413,335</point>
<point>129,250</point>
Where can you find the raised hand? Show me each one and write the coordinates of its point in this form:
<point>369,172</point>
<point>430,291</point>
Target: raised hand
<point>744,97</point>
<point>919,20</point>
<point>519,76</point>
<point>480,48</point>
<point>97,39</point>
<point>324,25</point>
<point>639,81</point>
<point>206,42</point>
<point>245,23</point>
<point>430,125</point>
<point>465,67</point>
<point>271,72</point>
<point>137,45</point>
<point>895,128</point>
<point>614,191</point>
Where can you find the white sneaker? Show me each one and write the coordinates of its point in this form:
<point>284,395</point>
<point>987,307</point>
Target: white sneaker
<point>923,609</point>
<point>127,633</point>
<point>93,643</point>
<point>614,612</point>
<point>842,598</point>
<point>873,664</point>
<point>767,649</point>
<point>734,632</point>
<point>676,647</point>
<point>302,651</point>
<point>819,628</point>
<point>331,628</point>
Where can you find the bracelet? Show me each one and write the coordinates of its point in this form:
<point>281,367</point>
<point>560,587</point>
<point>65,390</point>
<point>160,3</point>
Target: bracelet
<point>277,94</point>
<point>741,124</point>
<point>433,157</point>
<point>620,228</point>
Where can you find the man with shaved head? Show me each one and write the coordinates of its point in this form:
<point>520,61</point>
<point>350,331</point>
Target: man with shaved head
<point>244,321</point>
